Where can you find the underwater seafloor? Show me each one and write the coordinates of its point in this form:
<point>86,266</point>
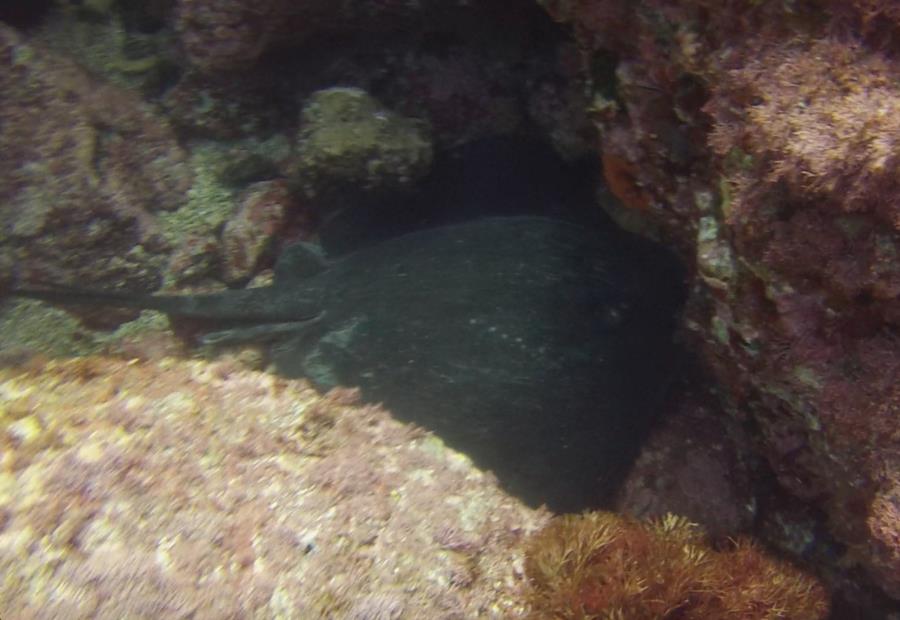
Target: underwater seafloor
<point>573,309</point>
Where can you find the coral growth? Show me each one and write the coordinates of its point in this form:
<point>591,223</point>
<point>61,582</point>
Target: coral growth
<point>602,566</point>
<point>441,61</point>
<point>179,489</point>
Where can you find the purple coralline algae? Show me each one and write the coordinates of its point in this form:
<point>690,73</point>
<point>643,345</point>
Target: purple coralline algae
<point>136,489</point>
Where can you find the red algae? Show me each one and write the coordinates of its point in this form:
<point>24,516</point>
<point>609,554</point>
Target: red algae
<point>761,140</point>
<point>599,565</point>
<point>188,489</point>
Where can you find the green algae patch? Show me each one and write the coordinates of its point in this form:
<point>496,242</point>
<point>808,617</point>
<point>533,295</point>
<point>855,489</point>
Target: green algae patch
<point>348,138</point>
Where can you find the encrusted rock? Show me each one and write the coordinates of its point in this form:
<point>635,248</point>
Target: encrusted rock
<point>229,35</point>
<point>348,138</point>
<point>696,464</point>
<point>83,167</point>
<point>796,298</point>
<point>135,489</point>
<point>248,236</point>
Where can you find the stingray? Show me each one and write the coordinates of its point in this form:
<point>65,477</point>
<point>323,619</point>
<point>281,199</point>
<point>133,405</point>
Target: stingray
<point>538,347</point>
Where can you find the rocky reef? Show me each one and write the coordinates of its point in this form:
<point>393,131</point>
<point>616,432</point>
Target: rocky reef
<point>140,489</point>
<point>347,138</point>
<point>183,143</point>
<point>85,167</point>
<point>761,139</point>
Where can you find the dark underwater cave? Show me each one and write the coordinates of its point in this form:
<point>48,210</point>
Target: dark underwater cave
<point>24,13</point>
<point>561,441</point>
<point>565,437</point>
<point>566,442</point>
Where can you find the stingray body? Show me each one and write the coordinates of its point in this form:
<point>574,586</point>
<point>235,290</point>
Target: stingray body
<point>534,345</point>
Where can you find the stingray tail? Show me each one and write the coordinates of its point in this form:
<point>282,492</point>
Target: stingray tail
<point>70,295</point>
<point>234,305</point>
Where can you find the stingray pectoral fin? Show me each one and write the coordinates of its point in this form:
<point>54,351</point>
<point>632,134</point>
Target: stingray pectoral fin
<point>319,355</point>
<point>258,333</point>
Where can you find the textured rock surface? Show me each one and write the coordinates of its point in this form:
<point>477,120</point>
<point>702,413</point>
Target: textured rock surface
<point>348,139</point>
<point>225,108</point>
<point>231,34</point>
<point>464,94</point>
<point>188,489</point>
<point>697,464</point>
<point>228,35</point>
<point>470,69</point>
<point>83,168</point>
<point>762,140</point>
<point>248,236</point>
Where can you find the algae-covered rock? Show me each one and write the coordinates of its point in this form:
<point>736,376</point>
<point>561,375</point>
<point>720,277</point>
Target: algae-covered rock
<point>791,214</point>
<point>247,237</point>
<point>229,36</point>
<point>85,169</point>
<point>185,489</point>
<point>348,138</point>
